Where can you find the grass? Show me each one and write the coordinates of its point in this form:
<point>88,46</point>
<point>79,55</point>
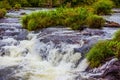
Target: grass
<point>117,36</point>
<point>67,17</point>
<point>103,50</point>
<point>2,13</point>
<point>99,53</point>
<point>102,7</point>
<point>17,6</point>
<point>95,21</point>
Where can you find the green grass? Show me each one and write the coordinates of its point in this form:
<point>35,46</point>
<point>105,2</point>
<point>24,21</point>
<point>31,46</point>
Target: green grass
<point>103,7</point>
<point>17,6</point>
<point>117,36</point>
<point>2,13</point>
<point>95,21</point>
<point>103,50</point>
<point>67,17</point>
<point>99,53</point>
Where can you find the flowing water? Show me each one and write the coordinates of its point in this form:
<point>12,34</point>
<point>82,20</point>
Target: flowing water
<point>48,54</point>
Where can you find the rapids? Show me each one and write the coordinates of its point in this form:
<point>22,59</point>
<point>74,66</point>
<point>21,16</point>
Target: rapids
<point>47,54</point>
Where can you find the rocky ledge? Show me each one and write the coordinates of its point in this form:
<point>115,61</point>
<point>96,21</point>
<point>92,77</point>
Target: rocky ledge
<point>109,71</point>
<point>111,24</point>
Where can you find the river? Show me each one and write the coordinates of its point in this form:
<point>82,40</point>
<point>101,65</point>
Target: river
<point>47,54</point>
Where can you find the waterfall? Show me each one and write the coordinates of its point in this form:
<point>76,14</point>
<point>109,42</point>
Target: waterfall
<point>40,61</point>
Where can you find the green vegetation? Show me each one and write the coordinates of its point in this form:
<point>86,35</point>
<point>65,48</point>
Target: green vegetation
<point>103,50</point>
<point>5,4</point>
<point>95,21</point>
<point>17,6</point>
<point>67,17</point>
<point>99,53</point>
<point>116,3</point>
<point>2,13</point>
<point>54,3</point>
<point>103,7</point>
<point>117,36</point>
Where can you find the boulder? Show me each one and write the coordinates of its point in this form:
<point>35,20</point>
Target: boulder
<point>111,24</point>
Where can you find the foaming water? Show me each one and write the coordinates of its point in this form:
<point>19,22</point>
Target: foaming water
<point>51,54</point>
<point>38,64</point>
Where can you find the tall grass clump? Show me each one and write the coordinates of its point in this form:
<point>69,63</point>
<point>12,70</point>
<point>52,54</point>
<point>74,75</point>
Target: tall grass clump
<point>117,36</point>
<point>67,17</point>
<point>5,4</point>
<point>103,7</point>
<point>99,53</point>
<point>2,13</point>
<point>17,6</point>
<point>103,50</point>
<point>95,21</point>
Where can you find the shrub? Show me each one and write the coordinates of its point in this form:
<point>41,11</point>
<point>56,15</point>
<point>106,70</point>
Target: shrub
<point>117,3</point>
<point>67,17</point>
<point>103,50</point>
<point>99,53</point>
<point>103,7</point>
<point>117,36</point>
<point>5,4</point>
<point>2,13</point>
<point>95,21</point>
<point>17,6</point>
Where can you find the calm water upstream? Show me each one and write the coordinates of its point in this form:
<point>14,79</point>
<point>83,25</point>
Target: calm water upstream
<point>48,54</point>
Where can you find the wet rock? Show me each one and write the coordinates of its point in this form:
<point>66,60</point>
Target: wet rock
<point>113,72</point>
<point>82,27</point>
<point>111,24</point>
<point>7,73</point>
<point>108,71</point>
<point>23,13</point>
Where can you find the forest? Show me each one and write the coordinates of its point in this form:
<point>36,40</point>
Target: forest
<point>8,4</point>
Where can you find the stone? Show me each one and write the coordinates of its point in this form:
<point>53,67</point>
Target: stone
<point>23,13</point>
<point>111,24</point>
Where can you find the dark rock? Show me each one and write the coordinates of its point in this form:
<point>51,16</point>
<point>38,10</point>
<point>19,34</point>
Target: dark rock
<point>23,13</point>
<point>111,24</point>
<point>116,11</point>
<point>7,73</point>
<point>82,27</point>
<point>109,71</point>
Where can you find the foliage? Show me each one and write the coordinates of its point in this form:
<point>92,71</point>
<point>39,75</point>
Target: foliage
<point>103,7</point>
<point>117,36</point>
<point>55,3</point>
<point>117,3</point>
<point>99,53</point>
<point>67,17</point>
<point>17,6</point>
<point>5,4</point>
<point>95,21</point>
<point>103,50</point>
<point>2,13</point>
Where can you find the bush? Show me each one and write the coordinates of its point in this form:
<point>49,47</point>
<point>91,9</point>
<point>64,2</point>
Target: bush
<point>117,36</point>
<point>95,21</point>
<point>5,4</point>
<point>99,53</point>
<point>2,13</point>
<point>103,50</point>
<point>67,17</point>
<point>103,7</point>
<point>17,6</point>
<point>117,3</point>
